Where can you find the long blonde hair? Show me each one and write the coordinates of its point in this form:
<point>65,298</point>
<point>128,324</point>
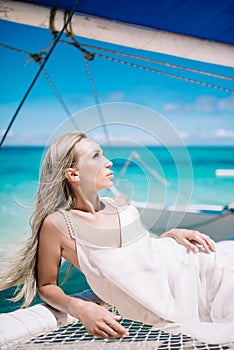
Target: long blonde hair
<point>54,193</point>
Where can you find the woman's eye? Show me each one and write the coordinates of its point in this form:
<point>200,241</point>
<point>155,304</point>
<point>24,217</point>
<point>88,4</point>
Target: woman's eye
<point>96,155</point>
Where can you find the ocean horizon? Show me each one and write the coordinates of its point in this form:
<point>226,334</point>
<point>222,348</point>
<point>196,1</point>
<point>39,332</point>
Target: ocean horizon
<point>151,174</point>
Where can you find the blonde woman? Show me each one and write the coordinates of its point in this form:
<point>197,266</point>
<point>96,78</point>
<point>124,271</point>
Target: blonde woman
<point>156,281</point>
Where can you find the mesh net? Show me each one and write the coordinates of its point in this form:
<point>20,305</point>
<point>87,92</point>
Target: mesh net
<point>141,336</point>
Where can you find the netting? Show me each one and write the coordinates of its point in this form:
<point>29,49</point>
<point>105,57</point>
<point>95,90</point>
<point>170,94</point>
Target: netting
<point>141,336</point>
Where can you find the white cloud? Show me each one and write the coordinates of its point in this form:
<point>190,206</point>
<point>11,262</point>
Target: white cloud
<point>204,103</point>
<point>184,135</point>
<point>222,133</point>
<point>98,137</point>
<point>115,96</point>
<point>212,104</point>
<point>10,133</point>
<point>176,107</point>
<point>120,137</point>
<point>218,133</point>
<point>201,104</point>
<point>227,104</point>
<point>171,107</point>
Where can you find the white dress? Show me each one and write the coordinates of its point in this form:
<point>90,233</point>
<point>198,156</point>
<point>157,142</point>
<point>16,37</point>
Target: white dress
<point>160,282</point>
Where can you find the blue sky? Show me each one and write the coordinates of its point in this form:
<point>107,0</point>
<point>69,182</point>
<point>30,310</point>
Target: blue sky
<point>200,115</point>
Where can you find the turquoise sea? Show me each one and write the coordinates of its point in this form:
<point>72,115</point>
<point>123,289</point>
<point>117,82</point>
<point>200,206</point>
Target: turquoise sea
<point>157,174</point>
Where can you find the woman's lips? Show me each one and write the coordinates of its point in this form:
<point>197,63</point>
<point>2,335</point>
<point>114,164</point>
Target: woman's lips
<point>110,175</point>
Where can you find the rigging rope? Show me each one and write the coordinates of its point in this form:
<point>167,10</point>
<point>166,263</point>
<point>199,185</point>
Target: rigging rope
<point>60,98</point>
<point>66,109</point>
<point>152,70</point>
<point>14,49</point>
<point>97,102</point>
<point>38,57</point>
<point>150,60</point>
<point>88,56</point>
<point>39,72</point>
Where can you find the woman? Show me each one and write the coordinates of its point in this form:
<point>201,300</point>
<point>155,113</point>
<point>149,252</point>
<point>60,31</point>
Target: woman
<point>150,280</point>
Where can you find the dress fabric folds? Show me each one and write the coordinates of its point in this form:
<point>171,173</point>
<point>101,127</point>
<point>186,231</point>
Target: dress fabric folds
<point>160,282</point>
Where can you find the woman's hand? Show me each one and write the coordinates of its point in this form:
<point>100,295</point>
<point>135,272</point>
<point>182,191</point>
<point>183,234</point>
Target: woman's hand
<point>193,240</point>
<point>98,320</point>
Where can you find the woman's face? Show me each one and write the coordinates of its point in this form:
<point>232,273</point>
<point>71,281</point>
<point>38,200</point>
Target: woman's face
<point>94,168</point>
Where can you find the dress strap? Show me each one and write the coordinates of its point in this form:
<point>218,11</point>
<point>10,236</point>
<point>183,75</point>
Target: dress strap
<point>115,205</point>
<point>69,224</point>
<point>111,202</point>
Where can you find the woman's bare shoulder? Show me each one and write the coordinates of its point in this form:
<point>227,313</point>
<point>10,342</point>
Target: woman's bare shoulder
<point>55,222</point>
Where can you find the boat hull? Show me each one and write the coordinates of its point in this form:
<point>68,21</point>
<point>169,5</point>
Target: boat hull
<point>217,221</point>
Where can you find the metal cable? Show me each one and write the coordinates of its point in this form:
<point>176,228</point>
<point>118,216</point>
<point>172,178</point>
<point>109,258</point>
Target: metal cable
<point>39,72</point>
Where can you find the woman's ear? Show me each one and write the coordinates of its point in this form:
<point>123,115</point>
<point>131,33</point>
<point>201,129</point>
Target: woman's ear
<point>72,175</point>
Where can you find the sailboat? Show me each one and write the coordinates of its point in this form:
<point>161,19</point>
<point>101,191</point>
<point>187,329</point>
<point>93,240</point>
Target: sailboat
<point>146,26</point>
<point>154,33</point>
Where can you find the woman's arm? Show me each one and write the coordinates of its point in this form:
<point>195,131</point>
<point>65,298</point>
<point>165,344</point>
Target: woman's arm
<point>191,239</point>
<point>96,319</point>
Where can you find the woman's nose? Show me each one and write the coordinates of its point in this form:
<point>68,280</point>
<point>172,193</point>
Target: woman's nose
<point>108,164</point>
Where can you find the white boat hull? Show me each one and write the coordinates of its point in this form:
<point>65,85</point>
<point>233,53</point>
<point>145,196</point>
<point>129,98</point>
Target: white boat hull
<point>217,221</point>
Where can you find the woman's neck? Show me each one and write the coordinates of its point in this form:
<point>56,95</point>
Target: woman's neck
<point>88,202</point>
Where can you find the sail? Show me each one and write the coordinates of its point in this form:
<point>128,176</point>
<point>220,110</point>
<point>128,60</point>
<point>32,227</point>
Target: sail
<point>199,30</point>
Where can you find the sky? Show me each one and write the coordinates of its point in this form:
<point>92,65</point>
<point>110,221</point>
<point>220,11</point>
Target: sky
<point>200,115</point>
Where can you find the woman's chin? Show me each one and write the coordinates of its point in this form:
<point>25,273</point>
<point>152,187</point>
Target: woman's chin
<point>111,184</point>
<point>107,185</point>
